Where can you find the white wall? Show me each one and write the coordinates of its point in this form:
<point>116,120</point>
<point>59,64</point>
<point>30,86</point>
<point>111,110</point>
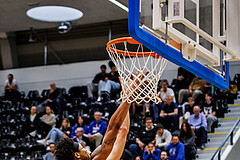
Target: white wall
<point>76,74</point>
<point>39,78</point>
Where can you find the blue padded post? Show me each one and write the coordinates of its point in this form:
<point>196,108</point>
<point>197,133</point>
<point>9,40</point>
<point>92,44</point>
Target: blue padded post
<point>168,52</point>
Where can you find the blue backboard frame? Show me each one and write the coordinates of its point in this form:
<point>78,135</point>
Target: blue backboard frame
<point>153,43</point>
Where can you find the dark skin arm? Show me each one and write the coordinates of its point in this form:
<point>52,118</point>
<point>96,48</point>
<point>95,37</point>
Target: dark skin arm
<point>114,126</point>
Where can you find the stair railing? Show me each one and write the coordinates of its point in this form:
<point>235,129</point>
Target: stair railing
<point>230,135</point>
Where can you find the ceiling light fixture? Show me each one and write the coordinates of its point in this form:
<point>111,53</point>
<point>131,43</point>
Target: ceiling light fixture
<point>61,14</point>
<point>119,5</point>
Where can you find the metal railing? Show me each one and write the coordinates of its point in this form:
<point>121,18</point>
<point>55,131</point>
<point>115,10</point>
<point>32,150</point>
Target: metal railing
<point>230,134</point>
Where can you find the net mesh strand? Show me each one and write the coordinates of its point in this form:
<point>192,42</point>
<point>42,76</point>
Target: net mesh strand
<point>146,88</point>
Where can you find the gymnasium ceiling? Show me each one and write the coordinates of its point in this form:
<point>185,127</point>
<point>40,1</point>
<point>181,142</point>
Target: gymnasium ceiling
<point>13,13</point>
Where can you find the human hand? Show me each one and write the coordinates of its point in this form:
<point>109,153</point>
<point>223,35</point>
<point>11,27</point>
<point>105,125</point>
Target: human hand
<point>140,144</point>
<point>153,150</point>
<point>148,150</point>
<point>134,82</point>
<point>106,78</point>
<point>180,78</point>
<point>190,91</point>
<point>193,128</point>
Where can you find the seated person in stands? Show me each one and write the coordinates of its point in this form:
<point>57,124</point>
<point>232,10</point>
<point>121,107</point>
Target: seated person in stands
<point>151,153</point>
<point>188,111</point>
<point>47,122</point>
<point>96,130</point>
<point>145,136</point>
<point>184,78</point>
<point>11,88</point>
<point>176,149</point>
<point>198,124</point>
<point>32,121</point>
<point>196,88</point>
<point>55,134</point>
<point>50,155</point>
<point>97,82</point>
<point>164,91</point>
<point>169,114</point>
<point>187,137</point>
<point>81,139</point>
<point>54,97</point>
<point>164,155</point>
<point>208,108</point>
<point>111,81</point>
<point>80,124</point>
<point>163,137</point>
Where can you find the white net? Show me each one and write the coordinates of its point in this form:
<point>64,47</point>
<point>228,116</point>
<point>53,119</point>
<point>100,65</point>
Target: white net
<point>139,71</point>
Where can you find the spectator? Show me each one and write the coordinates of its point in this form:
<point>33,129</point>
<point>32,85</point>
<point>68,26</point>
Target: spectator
<point>48,121</point>
<point>145,136</point>
<point>163,137</point>
<point>184,78</point>
<point>151,153</point>
<point>50,155</point>
<point>169,114</point>
<point>198,124</point>
<point>32,121</point>
<point>208,108</point>
<point>176,149</point>
<point>97,129</point>
<point>54,97</point>
<point>187,137</point>
<point>79,124</point>
<point>164,91</point>
<point>188,111</point>
<point>196,88</point>
<point>66,127</point>
<point>97,82</point>
<point>55,134</point>
<point>164,155</point>
<point>111,81</point>
<point>80,138</point>
<point>11,88</point>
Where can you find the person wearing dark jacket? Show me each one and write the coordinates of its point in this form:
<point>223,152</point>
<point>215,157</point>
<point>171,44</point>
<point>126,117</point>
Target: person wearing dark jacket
<point>145,136</point>
<point>97,82</point>
<point>55,99</point>
<point>32,121</point>
<point>176,149</point>
<point>111,81</point>
<point>187,137</point>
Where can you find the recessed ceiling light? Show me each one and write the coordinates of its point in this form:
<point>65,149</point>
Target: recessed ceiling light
<point>54,13</point>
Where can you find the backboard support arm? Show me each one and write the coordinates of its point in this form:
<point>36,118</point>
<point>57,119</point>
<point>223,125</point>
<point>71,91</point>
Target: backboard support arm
<point>153,43</point>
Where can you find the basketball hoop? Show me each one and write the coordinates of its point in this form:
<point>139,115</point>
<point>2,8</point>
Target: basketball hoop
<point>130,64</point>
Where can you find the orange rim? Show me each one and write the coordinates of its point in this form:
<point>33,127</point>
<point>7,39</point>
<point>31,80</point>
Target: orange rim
<point>129,53</point>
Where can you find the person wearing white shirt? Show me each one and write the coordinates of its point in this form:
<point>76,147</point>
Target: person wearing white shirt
<point>11,88</point>
<point>163,137</point>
